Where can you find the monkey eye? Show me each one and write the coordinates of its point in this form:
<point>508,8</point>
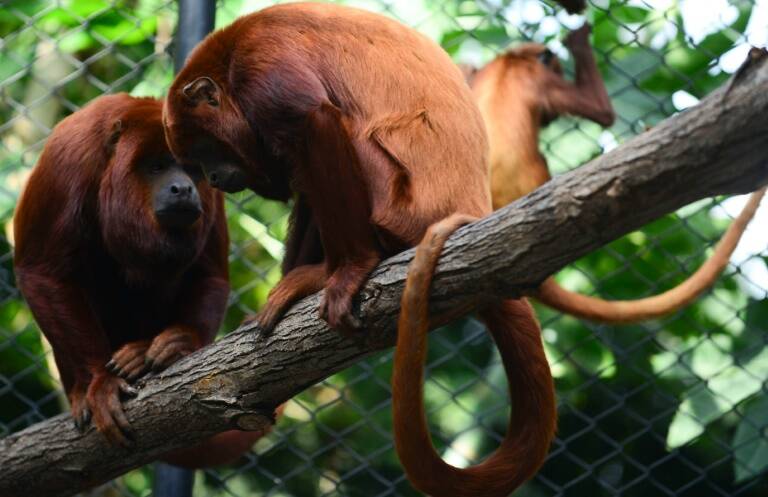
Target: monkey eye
<point>546,56</point>
<point>157,168</point>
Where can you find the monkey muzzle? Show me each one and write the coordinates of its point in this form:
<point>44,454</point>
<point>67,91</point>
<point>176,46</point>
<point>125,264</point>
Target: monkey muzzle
<point>226,177</point>
<point>177,202</point>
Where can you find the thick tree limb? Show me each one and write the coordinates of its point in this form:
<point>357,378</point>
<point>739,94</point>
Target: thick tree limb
<point>717,147</point>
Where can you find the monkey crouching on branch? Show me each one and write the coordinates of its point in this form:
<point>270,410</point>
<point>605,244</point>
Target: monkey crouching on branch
<point>121,253</point>
<point>371,127</point>
<point>523,90</point>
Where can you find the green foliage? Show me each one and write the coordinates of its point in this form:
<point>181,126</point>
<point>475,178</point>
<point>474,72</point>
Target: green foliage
<point>688,390</point>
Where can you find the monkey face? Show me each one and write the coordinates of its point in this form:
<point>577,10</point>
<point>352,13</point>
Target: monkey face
<point>154,212</point>
<point>202,126</point>
<point>175,198</point>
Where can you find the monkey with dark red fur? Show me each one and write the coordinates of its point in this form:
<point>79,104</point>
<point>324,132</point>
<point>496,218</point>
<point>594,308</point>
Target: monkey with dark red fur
<point>121,253</point>
<point>374,131</point>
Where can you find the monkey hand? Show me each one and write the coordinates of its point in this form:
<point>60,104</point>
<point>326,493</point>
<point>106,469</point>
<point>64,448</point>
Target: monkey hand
<point>106,409</point>
<point>336,309</point>
<point>578,39</point>
<point>129,362</point>
<point>171,345</point>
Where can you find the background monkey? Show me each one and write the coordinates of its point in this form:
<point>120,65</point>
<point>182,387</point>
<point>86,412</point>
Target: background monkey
<point>523,90</point>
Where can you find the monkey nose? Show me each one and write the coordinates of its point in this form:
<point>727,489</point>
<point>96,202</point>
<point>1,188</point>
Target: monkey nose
<point>180,190</point>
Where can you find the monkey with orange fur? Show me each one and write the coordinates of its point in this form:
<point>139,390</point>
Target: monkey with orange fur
<point>374,131</point>
<point>523,90</point>
<point>121,253</point>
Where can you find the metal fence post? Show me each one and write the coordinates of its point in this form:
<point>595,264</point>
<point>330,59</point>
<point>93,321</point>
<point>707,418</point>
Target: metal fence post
<point>196,19</point>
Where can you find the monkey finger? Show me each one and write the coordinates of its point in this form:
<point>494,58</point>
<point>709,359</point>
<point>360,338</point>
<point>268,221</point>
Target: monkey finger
<point>133,369</point>
<point>159,345</point>
<point>115,436</point>
<point>164,341</point>
<point>127,353</point>
<point>82,419</point>
<point>168,355</point>
<point>267,319</point>
<point>352,322</point>
<point>128,390</point>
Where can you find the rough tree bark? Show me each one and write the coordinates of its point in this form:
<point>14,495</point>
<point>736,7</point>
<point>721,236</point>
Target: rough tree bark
<point>717,147</point>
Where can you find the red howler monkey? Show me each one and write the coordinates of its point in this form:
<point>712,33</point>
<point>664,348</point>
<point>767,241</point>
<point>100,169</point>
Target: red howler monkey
<point>523,90</point>
<point>121,254</point>
<point>372,127</point>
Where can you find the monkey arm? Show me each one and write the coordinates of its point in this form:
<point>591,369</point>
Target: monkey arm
<point>587,97</point>
<point>81,349</point>
<point>65,316</point>
<point>338,196</point>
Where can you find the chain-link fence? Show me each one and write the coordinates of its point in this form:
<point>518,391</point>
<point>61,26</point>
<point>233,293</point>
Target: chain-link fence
<point>677,406</point>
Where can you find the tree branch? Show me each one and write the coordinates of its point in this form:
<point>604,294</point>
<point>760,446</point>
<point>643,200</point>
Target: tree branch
<point>717,147</point>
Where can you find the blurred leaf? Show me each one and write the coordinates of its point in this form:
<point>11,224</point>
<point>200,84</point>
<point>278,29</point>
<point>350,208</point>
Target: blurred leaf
<point>708,401</point>
<point>750,444</point>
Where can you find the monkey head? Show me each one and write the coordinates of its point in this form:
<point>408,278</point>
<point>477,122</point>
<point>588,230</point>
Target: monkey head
<point>153,211</point>
<point>204,125</point>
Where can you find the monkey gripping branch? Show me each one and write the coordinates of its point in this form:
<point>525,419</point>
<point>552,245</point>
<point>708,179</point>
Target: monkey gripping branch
<point>718,147</point>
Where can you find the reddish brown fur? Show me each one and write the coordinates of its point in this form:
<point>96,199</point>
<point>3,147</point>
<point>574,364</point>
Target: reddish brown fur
<point>104,280</point>
<point>517,94</point>
<point>372,127</point>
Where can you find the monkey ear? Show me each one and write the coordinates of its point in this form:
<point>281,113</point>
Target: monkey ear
<point>203,89</point>
<point>114,135</point>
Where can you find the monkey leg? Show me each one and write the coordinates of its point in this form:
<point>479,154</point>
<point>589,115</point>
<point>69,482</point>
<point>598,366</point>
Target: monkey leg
<point>338,196</point>
<point>300,282</point>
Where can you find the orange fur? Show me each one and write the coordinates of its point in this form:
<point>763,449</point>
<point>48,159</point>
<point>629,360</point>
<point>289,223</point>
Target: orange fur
<point>517,93</point>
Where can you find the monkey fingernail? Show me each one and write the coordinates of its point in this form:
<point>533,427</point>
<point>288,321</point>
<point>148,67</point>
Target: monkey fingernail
<point>129,390</point>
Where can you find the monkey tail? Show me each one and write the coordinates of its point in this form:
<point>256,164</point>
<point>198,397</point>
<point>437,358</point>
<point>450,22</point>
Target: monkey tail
<point>630,311</point>
<point>534,417</point>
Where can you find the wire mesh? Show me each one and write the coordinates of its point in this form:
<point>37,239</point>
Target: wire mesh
<point>676,406</point>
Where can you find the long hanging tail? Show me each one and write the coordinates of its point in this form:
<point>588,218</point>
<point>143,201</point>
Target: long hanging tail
<point>534,417</point>
<point>630,311</point>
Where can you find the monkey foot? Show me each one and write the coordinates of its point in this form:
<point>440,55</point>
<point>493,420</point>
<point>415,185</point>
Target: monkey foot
<point>170,346</point>
<point>106,408</point>
<point>81,414</point>
<point>129,362</point>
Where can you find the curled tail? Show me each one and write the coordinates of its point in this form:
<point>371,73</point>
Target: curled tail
<point>629,311</point>
<point>534,416</point>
